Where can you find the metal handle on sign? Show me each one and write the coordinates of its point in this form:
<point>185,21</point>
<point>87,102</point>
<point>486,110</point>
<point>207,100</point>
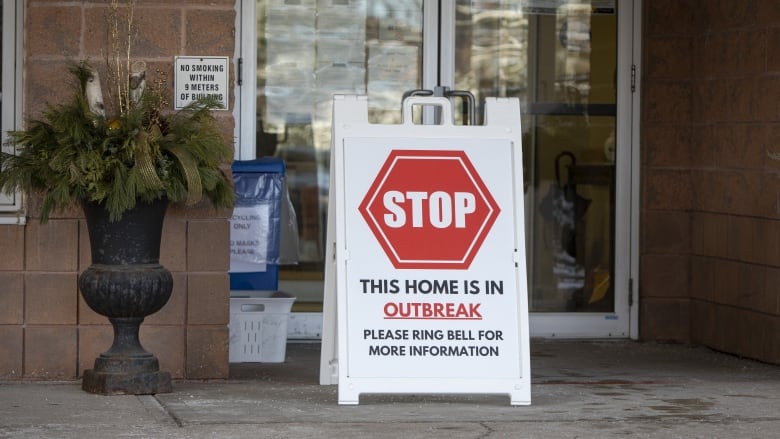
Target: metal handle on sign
<point>411,101</point>
<point>416,92</point>
<point>469,112</point>
<point>470,102</point>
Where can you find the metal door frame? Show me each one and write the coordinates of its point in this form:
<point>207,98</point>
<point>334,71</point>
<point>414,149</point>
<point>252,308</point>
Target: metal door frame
<point>439,70</point>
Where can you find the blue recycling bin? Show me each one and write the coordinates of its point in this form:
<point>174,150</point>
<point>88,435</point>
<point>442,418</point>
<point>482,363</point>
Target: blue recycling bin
<point>256,224</point>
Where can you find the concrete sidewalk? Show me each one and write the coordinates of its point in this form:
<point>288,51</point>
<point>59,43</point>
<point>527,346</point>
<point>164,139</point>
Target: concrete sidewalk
<point>583,389</point>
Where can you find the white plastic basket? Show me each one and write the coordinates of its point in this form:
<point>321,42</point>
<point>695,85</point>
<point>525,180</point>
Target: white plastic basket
<point>258,326</point>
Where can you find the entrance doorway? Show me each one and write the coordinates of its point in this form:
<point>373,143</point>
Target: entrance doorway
<point>568,61</point>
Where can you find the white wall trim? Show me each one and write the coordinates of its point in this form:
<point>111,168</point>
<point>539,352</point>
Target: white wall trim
<point>635,162</point>
<point>245,109</point>
<point>13,18</point>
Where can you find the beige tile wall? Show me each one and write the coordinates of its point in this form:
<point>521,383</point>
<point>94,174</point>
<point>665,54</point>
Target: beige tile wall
<point>710,222</point>
<point>46,329</point>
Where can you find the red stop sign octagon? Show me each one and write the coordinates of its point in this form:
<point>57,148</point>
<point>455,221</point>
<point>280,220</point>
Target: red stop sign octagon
<point>429,209</point>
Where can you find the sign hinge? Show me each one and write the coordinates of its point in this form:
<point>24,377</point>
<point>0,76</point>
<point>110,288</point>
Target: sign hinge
<point>633,78</point>
<point>240,79</point>
<point>630,292</point>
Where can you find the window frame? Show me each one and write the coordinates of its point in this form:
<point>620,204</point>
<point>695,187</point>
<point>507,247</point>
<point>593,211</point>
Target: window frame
<point>11,207</point>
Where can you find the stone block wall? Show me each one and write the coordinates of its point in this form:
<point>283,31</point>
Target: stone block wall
<point>46,329</point>
<point>710,208</point>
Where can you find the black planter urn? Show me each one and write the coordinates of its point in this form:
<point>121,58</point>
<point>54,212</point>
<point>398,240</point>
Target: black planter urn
<point>126,283</point>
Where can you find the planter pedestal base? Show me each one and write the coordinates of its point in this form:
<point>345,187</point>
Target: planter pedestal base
<point>146,383</point>
<point>126,368</point>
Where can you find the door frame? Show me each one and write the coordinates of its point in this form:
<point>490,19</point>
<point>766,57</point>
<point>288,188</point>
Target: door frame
<point>621,324</point>
<point>624,322</point>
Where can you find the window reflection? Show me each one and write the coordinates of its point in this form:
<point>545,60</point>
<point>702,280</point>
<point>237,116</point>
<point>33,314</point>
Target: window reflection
<point>559,58</point>
<point>309,50</point>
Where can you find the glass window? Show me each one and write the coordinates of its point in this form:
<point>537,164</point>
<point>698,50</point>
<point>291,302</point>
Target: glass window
<point>560,59</point>
<point>10,81</point>
<point>307,51</point>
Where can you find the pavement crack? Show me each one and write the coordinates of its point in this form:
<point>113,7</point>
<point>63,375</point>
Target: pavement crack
<point>159,411</point>
<point>488,430</point>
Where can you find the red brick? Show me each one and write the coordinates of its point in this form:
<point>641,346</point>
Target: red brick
<point>665,276</point>
<point>667,145</point>
<point>703,322</point>
<point>51,298</point>
<point>765,239</point>
<point>729,191</point>
<point>766,203</point>
<point>207,352</point>
<point>740,237</point>
<point>709,232</point>
<point>772,347</point>
<point>11,298</point>
<point>731,330</point>
<point>725,99</point>
<point>167,344</point>
<point>208,245</point>
<point>87,316</point>
<point>11,350</point>
<point>773,46</point>
<point>12,247</point>
<point>723,15</point>
<point>45,91</point>
<point>765,107</point>
<point>667,189</point>
<point>736,145</point>
<point>158,32</point>
<point>52,246</point>
<point>50,352</point>
<point>93,341</point>
<point>173,247</point>
<point>208,299</point>
<point>210,32</point>
<point>742,332</point>
<point>702,285</point>
<point>738,52</point>
<point>725,281</point>
<point>175,311</point>
<point>666,232</point>
<point>768,13</point>
<point>669,57</point>
<point>671,17</point>
<point>53,30</point>
<point>668,102</point>
<point>664,319</point>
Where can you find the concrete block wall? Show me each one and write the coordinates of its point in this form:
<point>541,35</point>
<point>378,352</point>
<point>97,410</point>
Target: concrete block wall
<point>46,329</point>
<point>710,209</point>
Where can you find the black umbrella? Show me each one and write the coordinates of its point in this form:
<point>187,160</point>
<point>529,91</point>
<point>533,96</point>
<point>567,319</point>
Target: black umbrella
<point>563,208</point>
<point>563,205</point>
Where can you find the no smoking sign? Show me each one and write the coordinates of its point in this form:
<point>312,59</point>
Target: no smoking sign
<point>429,209</point>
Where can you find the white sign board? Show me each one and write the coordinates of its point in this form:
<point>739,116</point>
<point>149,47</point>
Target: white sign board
<point>427,236</point>
<point>198,77</point>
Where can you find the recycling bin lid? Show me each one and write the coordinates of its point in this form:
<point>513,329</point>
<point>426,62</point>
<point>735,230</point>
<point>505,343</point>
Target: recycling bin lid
<point>268,165</point>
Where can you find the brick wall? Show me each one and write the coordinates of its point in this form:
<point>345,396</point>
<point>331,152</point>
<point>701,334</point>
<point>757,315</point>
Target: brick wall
<point>710,212</point>
<point>46,329</point>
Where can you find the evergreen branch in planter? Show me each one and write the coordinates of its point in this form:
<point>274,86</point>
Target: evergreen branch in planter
<point>75,153</point>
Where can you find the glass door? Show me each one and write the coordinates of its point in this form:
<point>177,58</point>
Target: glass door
<point>307,51</point>
<point>559,57</point>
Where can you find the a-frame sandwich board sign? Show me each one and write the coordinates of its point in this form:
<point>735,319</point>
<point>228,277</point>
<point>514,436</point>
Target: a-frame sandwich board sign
<point>425,277</point>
